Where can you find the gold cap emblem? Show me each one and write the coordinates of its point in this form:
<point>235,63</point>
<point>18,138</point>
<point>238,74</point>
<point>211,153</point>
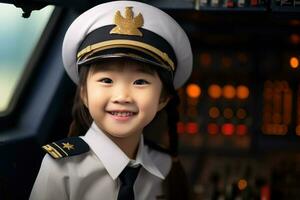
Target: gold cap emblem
<point>128,25</point>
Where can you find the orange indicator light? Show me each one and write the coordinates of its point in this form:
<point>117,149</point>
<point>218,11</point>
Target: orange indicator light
<point>193,90</point>
<point>294,62</point>
<point>214,91</point>
<point>214,112</point>
<point>242,184</point>
<point>242,92</point>
<point>241,113</point>
<point>228,113</point>
<point>229,91</point>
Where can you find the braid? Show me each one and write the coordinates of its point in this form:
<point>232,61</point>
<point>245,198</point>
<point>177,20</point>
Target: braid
<point>173,118</point>
<point>81,116</point>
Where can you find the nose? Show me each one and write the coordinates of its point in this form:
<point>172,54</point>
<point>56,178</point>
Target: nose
<point>121,95</point>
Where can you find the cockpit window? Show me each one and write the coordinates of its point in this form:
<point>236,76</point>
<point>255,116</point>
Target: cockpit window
<point>18,38</point>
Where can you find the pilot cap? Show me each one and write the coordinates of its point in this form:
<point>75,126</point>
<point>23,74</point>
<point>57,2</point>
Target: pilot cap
<point>127,29</point>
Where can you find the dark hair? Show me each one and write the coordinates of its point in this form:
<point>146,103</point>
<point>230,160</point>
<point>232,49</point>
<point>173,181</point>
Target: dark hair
<point>82,119</point>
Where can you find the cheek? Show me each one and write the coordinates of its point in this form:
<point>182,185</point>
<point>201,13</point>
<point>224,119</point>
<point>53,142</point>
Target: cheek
<point>149,102</point>
<point>95,99</point>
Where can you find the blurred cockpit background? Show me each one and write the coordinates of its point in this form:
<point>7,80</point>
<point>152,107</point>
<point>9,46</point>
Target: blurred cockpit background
<point>239,128</point>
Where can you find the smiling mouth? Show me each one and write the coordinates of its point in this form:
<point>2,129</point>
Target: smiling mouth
<point>122,113</point>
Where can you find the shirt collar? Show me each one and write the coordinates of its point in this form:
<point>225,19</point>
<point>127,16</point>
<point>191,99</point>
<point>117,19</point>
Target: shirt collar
<point>113,158</point>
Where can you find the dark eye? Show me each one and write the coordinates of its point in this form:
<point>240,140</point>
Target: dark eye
<point>106,80</point>
<point>141,82</point>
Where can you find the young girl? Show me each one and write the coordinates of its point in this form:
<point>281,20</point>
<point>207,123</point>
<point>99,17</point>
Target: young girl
<point>127,59</point>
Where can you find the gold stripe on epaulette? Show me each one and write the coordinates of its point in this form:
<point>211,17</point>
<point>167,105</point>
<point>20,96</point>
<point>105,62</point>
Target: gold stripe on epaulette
<point>60,148</point>
<point>52,151</point>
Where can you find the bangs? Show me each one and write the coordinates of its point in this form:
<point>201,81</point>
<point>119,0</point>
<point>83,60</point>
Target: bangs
<point>120,64</point>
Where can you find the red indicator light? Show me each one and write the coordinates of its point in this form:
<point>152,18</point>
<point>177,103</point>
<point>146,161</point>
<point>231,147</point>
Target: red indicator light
<point>228,129</point>
<point>180,128</point>
<point>192,128</point>
<point>265,192</point>
<point>241,129</point>
<point>253,2</point>
<point>212,128</point>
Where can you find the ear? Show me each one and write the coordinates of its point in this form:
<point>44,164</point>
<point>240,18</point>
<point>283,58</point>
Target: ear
<point>162,103</point>
<point>83,96</point>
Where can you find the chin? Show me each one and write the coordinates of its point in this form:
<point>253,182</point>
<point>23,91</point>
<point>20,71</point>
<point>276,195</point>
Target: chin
<point>117,134</point>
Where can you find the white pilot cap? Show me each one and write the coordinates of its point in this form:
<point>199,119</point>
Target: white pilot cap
<point>128,29</point>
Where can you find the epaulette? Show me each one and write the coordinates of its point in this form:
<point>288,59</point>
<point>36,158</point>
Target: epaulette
<point>156,147</point>
<point>66,147</point>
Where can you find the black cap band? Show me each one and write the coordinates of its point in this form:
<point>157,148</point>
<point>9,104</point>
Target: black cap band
<point>149,46</point>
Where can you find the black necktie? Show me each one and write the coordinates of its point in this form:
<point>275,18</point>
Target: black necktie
<point>127,178</point>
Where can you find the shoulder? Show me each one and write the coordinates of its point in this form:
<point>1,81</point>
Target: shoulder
<point>160,156</point>
<point>67,147</point>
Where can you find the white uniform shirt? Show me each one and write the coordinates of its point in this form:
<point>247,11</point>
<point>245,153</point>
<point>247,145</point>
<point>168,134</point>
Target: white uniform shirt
<point>94,175</point>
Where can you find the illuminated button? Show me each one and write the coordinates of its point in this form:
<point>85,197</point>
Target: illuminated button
<point>180,127</point>
<point>229,92</point>
<point>193,90</point>
<point>205,59</point>
<point>214,112</point>
<point>294,62</point>
<point>214,91</point>
<point>295,38</point>
<point>242,184</point>
<point>227,129</point>
<point>241,129</point>
<point>192,128</point>
<point>241,113</point>
<point>212,128</point>
<point>254,2</point>
<point>242,92</point>
<point>228,113</point>
<point>226,61</point>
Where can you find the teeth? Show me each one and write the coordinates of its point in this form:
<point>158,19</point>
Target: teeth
<point>122,114</point>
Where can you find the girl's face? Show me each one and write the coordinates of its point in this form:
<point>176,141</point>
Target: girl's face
<point>123,98</point>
